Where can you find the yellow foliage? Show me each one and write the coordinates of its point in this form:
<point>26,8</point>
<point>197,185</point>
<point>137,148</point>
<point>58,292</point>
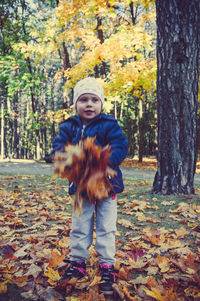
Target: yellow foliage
<point>160,294</point>
<point>3,287</point>
<point>125,49</point>
<point>53,276</point>
<point>60,115</point>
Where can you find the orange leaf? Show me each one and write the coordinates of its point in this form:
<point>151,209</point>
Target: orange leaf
<point>21,281</point>
<point>151,282</point>
<point>56,259</point>
<point>186,264</point>
<point>86,165</point>
<point>127,293</point>
<point>153,235</point>
<point>123,273</point>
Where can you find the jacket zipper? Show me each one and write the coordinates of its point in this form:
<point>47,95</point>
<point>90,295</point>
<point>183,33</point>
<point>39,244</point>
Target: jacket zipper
<point>82,132</point>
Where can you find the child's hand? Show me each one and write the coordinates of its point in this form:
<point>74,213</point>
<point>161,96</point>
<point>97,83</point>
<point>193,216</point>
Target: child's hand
<point>110,173</point>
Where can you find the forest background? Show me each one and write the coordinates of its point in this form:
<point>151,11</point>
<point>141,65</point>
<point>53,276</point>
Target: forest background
<point>46,47</point>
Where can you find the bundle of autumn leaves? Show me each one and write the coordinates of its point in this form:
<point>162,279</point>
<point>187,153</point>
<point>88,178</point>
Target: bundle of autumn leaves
<point>86,165</point>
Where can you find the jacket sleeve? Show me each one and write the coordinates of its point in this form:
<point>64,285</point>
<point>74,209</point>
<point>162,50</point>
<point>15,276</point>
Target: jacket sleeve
<point>64,136</point>
<point>118,142</point>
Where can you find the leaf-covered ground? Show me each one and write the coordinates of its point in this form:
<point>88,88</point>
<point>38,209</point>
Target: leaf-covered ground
<point>158,243</point>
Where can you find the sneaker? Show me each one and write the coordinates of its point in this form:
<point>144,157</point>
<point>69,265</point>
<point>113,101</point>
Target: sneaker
<point>76,269</point>
<point>108,278</point>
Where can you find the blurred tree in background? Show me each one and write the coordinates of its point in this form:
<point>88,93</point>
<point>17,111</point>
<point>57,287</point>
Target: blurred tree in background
<point>46,47</point>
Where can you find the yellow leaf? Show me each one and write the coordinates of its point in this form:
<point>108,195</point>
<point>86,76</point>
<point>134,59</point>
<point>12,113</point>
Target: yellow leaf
<point>52,275</point>
<point>181,232</point>
<point>139,280</point>
<point>190,271</point>
<point>21,252</point>
<point>140,216</point>
<point>152,270</point>
<point>125,223</point>
<point>160,294</point>
<point>164,263</point>
<point>95,281</point>
<point>192,291</point>
<point>3,287</point>
<point>34,270</point>
<point>138,264</point>
<point>155,293</point>
<point>126,292</point>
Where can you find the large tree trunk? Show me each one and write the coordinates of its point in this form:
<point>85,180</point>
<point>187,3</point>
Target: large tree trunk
<point>178,27</point>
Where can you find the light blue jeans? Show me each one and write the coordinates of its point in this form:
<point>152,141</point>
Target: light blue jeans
<point>81,235</point>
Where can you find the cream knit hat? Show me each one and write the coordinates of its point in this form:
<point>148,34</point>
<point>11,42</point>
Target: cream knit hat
<point>88,85</point>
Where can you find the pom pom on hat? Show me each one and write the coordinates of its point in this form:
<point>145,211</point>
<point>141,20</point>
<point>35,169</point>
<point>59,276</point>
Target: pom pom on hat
<point>88,85</point>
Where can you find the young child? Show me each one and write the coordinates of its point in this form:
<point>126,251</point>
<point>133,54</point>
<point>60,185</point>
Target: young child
<point>91,122</point>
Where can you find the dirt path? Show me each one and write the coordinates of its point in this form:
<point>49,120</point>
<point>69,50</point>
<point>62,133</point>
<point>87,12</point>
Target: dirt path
<point>31,167</point>
<point>40,168</point>
<point>25,167</point>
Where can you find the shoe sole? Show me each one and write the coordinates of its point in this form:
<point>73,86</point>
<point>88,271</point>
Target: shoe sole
<point>107,293</point>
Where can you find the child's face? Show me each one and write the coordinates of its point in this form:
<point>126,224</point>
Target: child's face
<point>88,106</point>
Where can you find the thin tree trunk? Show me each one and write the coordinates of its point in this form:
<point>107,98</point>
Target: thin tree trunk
<point>140,131</point>
<point>115,109</point>
<point>100,36</point>
<point>16,128</point>
<point>38,149</point>
<point>66,65</point>
<point>2,130</point>
<point>121,111</point>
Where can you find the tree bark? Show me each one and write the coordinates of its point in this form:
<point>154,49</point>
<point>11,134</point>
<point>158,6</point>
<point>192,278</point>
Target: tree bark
<point>2,130</point>
<point>140,131</point>
<point>178,28</point>
<point>101,38</point>
<point>16,125</point>
<point>66,65</point>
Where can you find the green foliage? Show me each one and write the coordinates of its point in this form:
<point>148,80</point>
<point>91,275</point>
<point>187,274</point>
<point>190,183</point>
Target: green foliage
<point>5,114</point>
<point>16,76</point>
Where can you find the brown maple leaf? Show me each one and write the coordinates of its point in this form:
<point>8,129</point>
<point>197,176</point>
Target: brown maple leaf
<point>86,165</point>
<point>187,264</point>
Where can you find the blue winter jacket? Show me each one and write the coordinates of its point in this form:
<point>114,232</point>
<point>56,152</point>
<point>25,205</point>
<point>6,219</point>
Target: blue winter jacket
<point>107,132</point>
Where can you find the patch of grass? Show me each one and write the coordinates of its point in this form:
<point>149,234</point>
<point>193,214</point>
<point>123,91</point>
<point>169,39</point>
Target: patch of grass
<point>156,207</point>
<point>157,211</point>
